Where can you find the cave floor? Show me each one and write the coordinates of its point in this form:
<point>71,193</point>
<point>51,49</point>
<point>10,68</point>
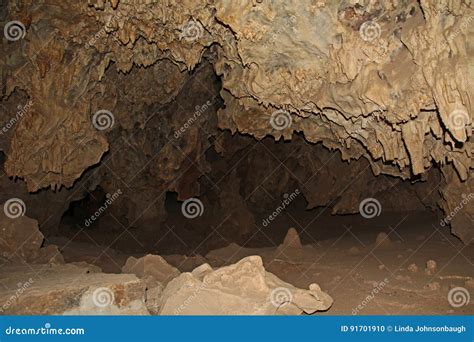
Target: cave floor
<point>362,277</point>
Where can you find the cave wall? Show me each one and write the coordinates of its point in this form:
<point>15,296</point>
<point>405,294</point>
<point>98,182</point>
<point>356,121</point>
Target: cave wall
<point>385,85</point>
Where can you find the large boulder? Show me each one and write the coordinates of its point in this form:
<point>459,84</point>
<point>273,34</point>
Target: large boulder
<point>21,239</point>
<point>244,288</point>
<point>69,290</point>
<point>151,266</point>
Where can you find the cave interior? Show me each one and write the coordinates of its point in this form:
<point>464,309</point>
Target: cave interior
<point>293,157</point>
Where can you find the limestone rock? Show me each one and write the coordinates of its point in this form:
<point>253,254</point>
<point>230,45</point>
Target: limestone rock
<point>383,240</point>
<point>69,290</point>
<point>244,288</point>
<point>21,240</point>
<point>151,266</point>
<point>292,239</point>
<point>431,267</point>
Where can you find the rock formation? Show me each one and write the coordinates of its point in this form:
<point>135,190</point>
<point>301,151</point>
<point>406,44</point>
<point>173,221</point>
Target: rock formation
<point>244,288</point>
<point>382,85</point>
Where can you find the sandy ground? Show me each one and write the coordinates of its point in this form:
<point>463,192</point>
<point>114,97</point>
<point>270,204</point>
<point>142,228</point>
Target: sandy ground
<point>342,256</point>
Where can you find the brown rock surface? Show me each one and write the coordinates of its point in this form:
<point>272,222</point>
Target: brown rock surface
<point>151,266</point>
<point>69,289</point>
<point>244,288</point>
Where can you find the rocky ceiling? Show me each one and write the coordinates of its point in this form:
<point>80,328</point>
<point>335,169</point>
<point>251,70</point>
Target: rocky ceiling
<point>386,84</point>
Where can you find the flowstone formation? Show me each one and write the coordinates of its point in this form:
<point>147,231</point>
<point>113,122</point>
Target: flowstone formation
<point>386,83</point>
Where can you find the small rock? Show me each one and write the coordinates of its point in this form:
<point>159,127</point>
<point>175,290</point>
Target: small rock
<point>354,250</point>
<point>431,267</point>
<point>469,283</point>
<point>433,286</point>
<point>413,268</point>
<point>382,240</point>
<point>292,239</point>
<point>399,256</point>
<point>382,267</point>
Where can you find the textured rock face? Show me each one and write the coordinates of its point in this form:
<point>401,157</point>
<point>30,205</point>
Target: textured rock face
<point>388,82</point>
<point>21,240</point>
<point>244,288</point>
<point>151,266</point>
<point>70,290</point>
